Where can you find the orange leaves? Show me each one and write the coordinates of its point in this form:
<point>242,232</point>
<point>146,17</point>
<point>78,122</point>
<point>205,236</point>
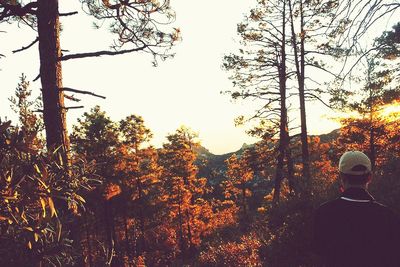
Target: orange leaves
<point>377,134</point>
<point>225,214</point>
<point>106,3</point>
<point>238,170</point>
<point>241,253</point>
<point>111,190</point>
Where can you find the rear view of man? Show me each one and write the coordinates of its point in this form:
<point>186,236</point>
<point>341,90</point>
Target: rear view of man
<point>355,230</point>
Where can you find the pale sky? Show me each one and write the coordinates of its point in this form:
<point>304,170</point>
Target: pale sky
<point>184,90</point>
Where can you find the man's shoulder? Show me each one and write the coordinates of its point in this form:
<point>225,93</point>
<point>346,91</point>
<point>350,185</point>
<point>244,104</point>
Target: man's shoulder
<point>373,206</point>
<point>329,204</point>
<point>385,210</point>
<point>380,206</point>
<point>327,207</point>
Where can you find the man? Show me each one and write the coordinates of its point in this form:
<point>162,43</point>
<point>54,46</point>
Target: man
<point>355,230</point>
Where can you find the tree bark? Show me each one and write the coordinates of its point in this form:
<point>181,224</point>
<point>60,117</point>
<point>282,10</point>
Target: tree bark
<point>300,69</point>
<point>283,129</point>
<point>303,117</point>
<point>290,166</point>
<point>279,172</point>
<point>54,112</point>
<point>372,147</point>
<point>372,144</point>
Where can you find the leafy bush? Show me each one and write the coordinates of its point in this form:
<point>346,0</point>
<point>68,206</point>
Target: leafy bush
<point>39,199</point>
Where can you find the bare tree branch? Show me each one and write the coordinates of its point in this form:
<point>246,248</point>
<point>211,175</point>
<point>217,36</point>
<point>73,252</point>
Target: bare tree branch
<point>72,98</point>
<point>363,55</point>
<point>319,99</point>
<point>81,92</point>
<point>102,53</point>
<point>37,78</point>
<point>68,14</point>
<point>27,47</point>
<point>323,69</point>
<point>75,107</point>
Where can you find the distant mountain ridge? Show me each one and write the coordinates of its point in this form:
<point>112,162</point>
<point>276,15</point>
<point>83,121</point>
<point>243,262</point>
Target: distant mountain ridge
<point>213,166</point>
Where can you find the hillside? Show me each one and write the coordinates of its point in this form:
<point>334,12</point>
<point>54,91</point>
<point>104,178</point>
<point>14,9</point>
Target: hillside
<point>213,166</point>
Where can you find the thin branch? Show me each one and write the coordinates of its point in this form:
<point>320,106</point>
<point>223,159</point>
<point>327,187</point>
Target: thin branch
<point>72,98</point>
<point>319,99</point>
<point>37,78</point>
<point>323,69</point>
<point>27,47</point>
<point>81,92</point>
<point>68,14</point>
<point>314,81</point>
<point>102,53</point>
<point>323,53</point>
<point>366,53</point>
<point>75,107</point>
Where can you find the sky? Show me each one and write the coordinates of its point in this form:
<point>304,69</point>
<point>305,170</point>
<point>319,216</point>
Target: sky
<point>184,90</point>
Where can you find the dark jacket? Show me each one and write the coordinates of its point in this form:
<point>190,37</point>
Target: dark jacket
<point>355,230</point>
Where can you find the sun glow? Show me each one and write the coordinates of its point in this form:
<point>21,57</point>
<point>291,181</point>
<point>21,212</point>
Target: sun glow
<point>390,112</point>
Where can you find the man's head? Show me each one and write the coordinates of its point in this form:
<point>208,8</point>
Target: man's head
<point>355,169</point>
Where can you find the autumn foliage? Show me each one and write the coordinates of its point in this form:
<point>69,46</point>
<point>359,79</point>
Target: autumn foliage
<point>113,199</point>
<point>125,203</point>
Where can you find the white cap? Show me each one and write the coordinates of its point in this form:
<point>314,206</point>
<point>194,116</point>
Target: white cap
<point>350,159</point>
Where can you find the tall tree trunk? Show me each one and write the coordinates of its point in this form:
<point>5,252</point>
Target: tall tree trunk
<point>283,129</point>
<point>290,166</point>
<point>300,69</point>
<point>303,117</point>
<point>54,112</point>
<point>279,172</point>
<point>372,147</point>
